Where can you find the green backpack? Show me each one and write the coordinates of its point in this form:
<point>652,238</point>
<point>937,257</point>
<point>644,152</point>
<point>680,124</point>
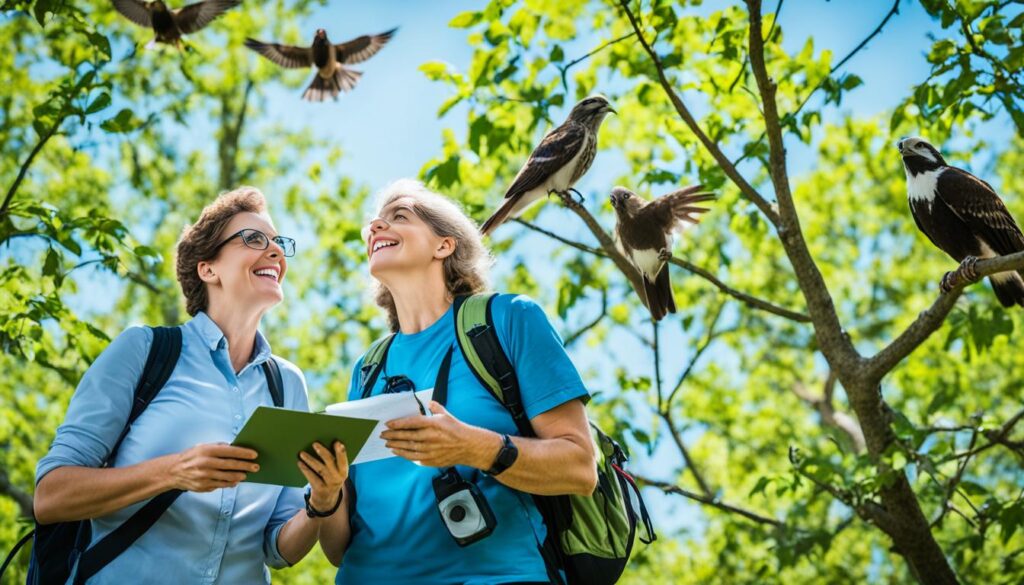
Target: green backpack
<point>591,537</point>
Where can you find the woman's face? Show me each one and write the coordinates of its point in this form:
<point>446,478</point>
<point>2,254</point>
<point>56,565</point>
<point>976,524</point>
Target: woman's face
<point>399,241</point>
<point>246,277</point>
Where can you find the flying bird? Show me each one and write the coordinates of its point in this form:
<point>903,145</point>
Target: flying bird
<point>557,163</point>
<point>643,233</point>
<point>332,77</point>
<point>963,216</point>
<point>169,24</point>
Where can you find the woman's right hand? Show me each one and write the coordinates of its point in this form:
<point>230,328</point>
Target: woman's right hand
<point>211,466</point>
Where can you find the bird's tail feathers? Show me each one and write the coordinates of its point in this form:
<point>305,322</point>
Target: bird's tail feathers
<point>499,216</point>
<point>1009,288</point>
<point>344,79</point>
<point>660,300</point>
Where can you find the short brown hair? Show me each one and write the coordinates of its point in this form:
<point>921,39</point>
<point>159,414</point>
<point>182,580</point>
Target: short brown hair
<point>466,270</point>
<point>199,241</point>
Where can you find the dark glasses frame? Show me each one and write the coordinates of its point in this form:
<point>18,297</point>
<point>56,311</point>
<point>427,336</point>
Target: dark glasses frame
<point>286,244</point>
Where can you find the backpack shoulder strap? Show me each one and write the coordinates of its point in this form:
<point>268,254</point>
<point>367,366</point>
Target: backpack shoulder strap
<point>272,370</point>
<point>373,363</point>
<point>163,357</point>
<point>478,340</point>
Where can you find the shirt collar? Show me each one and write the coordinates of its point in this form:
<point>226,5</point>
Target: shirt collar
<point>214,338</point>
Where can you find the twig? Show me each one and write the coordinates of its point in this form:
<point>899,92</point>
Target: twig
<point>28,161</point>
<point>565,69</point>
<point>749,300</point>
<point>954,481</point>
<point>746,58</point>
<point>22,498</point>
<point>570,339</point>
<point>878,29</point>
<point>677,438</point>
<point>839,420</point>
<point>709,501</point>
<point>712,147</point>
<point>705,344</point>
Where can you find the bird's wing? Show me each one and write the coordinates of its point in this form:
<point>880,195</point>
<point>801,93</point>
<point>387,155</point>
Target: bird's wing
<point>362,48</point>
<point>674,210</point>
<point>978,205</point>
<point>135,11</point>
<point>557,149</point>
<point>283,55</point>
<point>195,16</point>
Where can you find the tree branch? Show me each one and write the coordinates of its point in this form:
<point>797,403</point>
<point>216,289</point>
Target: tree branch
<point>834,343</point>
<point>730,170</point>
<point>570,339</point>
<point>709,501</point>
<point>565,70</point>
<point>28,162</point>
<point>23,499</point>
<point>747,299</point>
<point>932,318</point>
<point>838,420</point>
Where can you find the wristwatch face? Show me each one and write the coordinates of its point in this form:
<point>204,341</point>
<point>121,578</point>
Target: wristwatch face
<point>506,456</point>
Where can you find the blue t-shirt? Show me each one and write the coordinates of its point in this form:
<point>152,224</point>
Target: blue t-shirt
<point>397,533</point>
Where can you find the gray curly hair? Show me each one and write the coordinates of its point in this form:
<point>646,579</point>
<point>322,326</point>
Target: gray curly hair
<point>467,269</point>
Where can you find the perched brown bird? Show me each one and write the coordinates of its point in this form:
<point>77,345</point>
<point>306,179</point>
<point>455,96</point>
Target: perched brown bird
<point>332,77</point>
<point>557,163</point>
<point>169,24</point>
<point>643,234</point>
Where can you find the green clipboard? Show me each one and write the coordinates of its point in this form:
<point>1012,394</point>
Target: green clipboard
<point>278,434</point>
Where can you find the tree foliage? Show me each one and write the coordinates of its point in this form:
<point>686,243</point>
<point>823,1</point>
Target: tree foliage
<point>793,438</point>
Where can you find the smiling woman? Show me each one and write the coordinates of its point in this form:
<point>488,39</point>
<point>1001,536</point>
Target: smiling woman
<point>457,496</point>
<point>217,529</point>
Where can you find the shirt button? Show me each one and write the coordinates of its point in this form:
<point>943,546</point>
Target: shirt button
<point>226,513</point>
<point>235,388</point>
<point>238,417</point>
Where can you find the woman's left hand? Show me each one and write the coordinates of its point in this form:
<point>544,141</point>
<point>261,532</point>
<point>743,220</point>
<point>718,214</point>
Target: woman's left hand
<point>325,473</point>
<point>440,440</point>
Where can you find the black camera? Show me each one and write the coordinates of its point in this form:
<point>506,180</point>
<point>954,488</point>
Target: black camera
<point>464,510</point>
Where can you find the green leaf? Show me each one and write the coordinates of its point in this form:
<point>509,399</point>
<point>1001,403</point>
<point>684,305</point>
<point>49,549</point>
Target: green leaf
<point>124,121</point>
<point>557,54</point>
<point>435,70</point>
<point>465,19</point>
<point>102,101</point>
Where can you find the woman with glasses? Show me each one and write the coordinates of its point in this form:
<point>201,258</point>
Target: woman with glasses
<point>424,252</point>
<point>230,265</point>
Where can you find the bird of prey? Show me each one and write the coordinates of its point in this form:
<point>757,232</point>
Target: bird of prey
<point>643,233</point>
<point>169,24</point>
<point>963,216</point>
<point>332,77</point>
<point>557,163</point>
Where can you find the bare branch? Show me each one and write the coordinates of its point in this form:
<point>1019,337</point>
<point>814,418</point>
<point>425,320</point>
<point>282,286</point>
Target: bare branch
<point>709,501</point>
<point>23,499</point>
<point>570,339</point>
<point>838,420</point>
<point>869,510</point>
<point>878,29</point>
<point>747,299</point>
<point>712,147</point>
<point>564,70</point>
<point>708,338</point>
<point>932,318</point>
<point>677,438</point>
<point>28,162</point>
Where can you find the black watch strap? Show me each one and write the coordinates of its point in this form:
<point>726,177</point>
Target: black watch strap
<point>314,513</point>
<point>506,456</point>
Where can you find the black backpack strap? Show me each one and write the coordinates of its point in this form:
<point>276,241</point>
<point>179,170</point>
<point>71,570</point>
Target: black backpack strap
<point>272,371</point>
<point>163,357</point>
<point>478,340</point>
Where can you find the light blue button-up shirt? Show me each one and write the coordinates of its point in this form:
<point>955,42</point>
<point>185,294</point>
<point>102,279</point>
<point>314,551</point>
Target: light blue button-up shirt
<point>223,536</point>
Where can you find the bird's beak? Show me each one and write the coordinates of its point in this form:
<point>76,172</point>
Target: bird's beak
<point>611,109</point>
<point>899,145</point>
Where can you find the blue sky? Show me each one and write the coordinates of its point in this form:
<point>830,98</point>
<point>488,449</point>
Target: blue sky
<point>388,127</point>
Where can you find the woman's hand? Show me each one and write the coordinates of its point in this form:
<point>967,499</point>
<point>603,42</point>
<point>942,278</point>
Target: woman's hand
<point>325,473</point>
<point>211,466</point>
<point>441,440</point>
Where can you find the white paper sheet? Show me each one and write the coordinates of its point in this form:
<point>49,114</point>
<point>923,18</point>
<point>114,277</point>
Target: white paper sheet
<point>381,408</point>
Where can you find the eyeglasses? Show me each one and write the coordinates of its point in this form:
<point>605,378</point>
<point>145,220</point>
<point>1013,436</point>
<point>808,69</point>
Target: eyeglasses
<point>401,383</point>
<point>258,240</point>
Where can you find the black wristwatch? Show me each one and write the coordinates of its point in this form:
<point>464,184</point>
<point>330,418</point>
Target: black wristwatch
<point>314,513</point>
<point>506,456</point>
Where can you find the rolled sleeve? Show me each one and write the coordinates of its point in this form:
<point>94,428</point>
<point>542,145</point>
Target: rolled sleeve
<point>289,502</point>
<point>100,406</point>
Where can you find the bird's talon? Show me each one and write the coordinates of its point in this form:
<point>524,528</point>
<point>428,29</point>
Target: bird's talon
<point>946,284</point>
<point>968,268</point>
